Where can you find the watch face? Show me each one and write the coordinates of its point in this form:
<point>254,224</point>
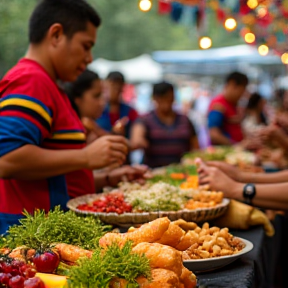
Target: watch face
<point>249,191</point>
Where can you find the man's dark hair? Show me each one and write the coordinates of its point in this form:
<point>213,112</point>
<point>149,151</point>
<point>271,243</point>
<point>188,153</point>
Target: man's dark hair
<point>160,89</point>
<point>77,88</point>
<point>116,76</point>
<point>73,15</point>
<point>238,78</point>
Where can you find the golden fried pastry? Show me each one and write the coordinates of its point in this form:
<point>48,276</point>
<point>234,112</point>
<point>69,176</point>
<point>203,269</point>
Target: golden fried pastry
<point>172,236</point>
<point>187,240</point>
<point>71,253</point>
<point>185,225</point>
<point>187,278</point>
<point>161,256</point>
<point>149,232</point>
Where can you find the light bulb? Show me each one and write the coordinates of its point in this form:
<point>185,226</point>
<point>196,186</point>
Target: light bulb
<point>284,58</point>
<point>263,50</point>
<point>205,42</point>
<point>230,24</point>
<point>249,37</point>
<point>145,5</point>
<point>252,4</point>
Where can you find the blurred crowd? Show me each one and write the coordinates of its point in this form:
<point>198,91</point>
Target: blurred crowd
<point>165,132</point>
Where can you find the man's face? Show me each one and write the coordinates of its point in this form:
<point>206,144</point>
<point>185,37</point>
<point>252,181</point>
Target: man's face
<point>72,55</point>
<point>165,102</point>
<point>114,90</point>
<point>235,91</point>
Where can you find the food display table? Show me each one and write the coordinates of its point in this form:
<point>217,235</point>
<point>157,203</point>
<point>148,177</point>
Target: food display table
<point>256,269</point>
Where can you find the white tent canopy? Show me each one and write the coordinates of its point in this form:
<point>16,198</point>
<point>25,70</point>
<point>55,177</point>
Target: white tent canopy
<point>139,69</point>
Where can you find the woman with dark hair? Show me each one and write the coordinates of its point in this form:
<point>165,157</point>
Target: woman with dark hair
<point>255,118</point>
<point>86,98</point>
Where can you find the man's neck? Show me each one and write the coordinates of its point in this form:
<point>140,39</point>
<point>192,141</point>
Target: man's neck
<point>165,116</point>
<point>37,54</point>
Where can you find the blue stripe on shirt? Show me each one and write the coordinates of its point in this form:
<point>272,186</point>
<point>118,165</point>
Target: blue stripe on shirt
<point>16,132</point>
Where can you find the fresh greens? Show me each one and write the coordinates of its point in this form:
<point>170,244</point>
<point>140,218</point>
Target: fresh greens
<point>41,230</point>
<point>103,266</point>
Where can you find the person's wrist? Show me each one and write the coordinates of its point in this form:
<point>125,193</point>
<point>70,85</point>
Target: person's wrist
<point>83,156</point>
<point>236,191</point>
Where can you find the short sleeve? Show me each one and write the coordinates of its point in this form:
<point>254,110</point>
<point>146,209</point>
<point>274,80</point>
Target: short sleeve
<point>26,112</point>
<point>215,119</point>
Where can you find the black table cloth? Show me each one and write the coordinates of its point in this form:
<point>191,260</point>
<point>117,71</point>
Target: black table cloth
<point>256,269</point>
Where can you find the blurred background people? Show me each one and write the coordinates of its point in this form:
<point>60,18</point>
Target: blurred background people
<point>87,100</point>
<point>163,134</point>
<point>224,121</point>
<point>255,118</point>
<point>116,109</point>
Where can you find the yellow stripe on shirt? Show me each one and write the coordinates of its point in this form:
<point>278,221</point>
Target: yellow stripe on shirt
<point>27,104</point>
<point>69,136</point>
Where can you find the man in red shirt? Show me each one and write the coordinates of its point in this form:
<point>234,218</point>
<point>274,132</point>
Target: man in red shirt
<point>224,122</point>
<point>41,137</point>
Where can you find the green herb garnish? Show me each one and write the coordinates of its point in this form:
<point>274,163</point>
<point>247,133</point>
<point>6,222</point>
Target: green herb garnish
<point>104,265</point>
<point>40,230</point>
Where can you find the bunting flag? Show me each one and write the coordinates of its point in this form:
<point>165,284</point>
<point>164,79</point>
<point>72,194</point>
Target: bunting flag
<point>164,7</point>
<point>266,19</point>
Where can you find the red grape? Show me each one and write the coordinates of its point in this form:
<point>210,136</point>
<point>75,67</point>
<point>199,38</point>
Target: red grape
<point>4,278</point>
<point>16,282</point>
<point>34,283</point>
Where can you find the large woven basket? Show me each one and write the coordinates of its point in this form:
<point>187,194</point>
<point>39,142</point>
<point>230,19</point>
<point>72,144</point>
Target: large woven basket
<point>134,219</point>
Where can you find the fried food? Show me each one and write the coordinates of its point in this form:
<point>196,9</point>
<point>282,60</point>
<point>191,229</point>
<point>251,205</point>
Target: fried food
<point>210,242</point>
<point>161,256</point>
<point>172,235</point>
<point>188,240</point>
<point>187,278</point>
<point>71,253</point>
<point>149,232</point>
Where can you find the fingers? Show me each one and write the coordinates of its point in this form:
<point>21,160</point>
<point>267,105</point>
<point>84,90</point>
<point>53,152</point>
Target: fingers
<point>119,147</point>
<point>117,156</point>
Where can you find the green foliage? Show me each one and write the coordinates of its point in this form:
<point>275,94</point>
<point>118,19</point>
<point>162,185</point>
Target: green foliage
<point>41,230</point>
<point>126,32</point>
<point>103,266</point>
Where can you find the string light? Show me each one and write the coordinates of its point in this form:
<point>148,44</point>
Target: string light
<point>145,5</point>
<point>263,50</point>
<point>252,4</point>
<point>205,42</point>
<point>249,37</point>
<point>230,24</point>
<point>261,12</point>
<point>284,58</point>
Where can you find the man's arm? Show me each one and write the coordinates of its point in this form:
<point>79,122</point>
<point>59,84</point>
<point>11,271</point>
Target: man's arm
<point>247,177</point>
<point>215,122</point>
<point>272,196</point>
<point>217,137</point>
<point>138,139</point>
<point>31,162</point>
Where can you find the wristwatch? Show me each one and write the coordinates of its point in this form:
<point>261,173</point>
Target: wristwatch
<point>249,192</point>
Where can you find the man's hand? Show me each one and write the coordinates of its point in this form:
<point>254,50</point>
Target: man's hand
<point>230,170</point>
<point>127,173</point>
<point>119,127</point>
<point>215,179</point>
<point>106,151</point>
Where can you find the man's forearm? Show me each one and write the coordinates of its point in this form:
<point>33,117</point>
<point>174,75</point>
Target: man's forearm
<point>277,177</point>
<point>267,196</point>
<point>32,163</point>
<point>217,138</point>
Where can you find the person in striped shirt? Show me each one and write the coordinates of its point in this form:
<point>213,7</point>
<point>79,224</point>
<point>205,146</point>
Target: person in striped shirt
<point>163,134</point>
<point>41,137</point>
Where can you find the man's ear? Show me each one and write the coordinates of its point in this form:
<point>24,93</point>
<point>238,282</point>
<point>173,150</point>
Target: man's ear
<point>55,33</point>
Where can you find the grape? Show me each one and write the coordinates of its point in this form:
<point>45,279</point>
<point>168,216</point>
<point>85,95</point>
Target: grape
<point>4,278</point>
<point>28,271</point>
<point>6,267</point>
<point>16,282</point>
<point>17,264</point>
<point>34,283</point>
